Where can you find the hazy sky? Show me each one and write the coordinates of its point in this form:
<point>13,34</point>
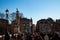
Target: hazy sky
<point>35,9</point>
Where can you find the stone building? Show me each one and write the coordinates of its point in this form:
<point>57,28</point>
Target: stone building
<point>3,25</point>
<point>33,28</point>
<point>20,25</point>
<point>45,25</point>
<point>57,26</point>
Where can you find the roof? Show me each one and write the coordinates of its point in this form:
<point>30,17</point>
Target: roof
<point>3,20</point>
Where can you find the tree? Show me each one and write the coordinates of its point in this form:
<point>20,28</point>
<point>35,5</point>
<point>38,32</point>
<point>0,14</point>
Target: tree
<point>2,15</point>
<point>12,16</point>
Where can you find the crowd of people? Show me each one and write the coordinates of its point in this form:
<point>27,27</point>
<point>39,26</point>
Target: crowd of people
<point>35,36</point>
<point>27,36</point>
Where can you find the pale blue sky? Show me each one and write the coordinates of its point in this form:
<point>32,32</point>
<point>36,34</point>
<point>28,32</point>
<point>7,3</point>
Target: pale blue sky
<point>35,9</point>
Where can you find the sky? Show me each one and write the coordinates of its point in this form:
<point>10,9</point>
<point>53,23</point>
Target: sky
<point>35,9</point>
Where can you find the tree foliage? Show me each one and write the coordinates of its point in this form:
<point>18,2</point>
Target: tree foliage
<point>2,15</point>
<point>12,16</point>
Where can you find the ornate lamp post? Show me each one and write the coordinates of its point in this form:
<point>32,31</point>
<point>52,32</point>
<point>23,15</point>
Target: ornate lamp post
<point>7,11</point>
<point>7,37</point>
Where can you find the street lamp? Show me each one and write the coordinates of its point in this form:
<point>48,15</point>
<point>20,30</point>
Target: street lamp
<point>7,11</point>
<point>7,37</point>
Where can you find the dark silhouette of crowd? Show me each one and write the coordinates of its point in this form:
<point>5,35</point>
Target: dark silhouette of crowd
<point>33,36</point>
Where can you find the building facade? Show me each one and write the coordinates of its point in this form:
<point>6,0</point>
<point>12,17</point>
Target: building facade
<point>3,25</point>
<point>20,25</point>
<point>45,25</point>
<point>57,26</point>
